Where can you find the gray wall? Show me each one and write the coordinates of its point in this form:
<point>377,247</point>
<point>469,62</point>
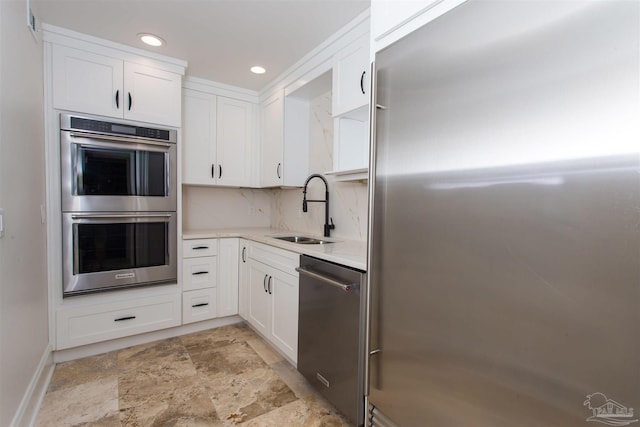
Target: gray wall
<point>23,275</point>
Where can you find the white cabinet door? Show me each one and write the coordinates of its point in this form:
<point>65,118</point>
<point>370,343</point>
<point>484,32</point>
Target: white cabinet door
<point>284,317</point>
<point>243,279</point>
<point>259,299</point>
<point>228,277</point>
<point>272,140</point>
<point>198,137</point>
<point>234,142</point>
<point>152,95</point>
<point>87,83</point>
<point>351,78</point>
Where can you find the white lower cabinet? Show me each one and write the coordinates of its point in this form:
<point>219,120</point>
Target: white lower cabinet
<point>271,304</point>
<point>228,276</point>
<point>209,279</point>
<point>243,279</point>
<point>284,312</point>
<point>91,323</point>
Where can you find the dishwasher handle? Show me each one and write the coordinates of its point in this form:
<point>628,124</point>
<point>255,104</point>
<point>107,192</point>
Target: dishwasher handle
<point>347,287</point>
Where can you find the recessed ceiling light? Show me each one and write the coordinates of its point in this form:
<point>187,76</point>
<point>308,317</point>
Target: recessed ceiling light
<point>256,69</point>
<point>150,39</point>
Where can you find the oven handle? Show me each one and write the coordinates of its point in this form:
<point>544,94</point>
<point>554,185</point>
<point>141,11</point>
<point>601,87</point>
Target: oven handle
<point>119,216</point>
<point>347,287</point>
<point>120,141</point>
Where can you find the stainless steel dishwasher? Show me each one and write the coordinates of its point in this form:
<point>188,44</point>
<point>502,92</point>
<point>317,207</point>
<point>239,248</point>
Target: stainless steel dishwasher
<point>331,333</point>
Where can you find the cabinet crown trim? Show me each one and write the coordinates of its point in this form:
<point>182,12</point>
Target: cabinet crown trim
<point>66,37</point>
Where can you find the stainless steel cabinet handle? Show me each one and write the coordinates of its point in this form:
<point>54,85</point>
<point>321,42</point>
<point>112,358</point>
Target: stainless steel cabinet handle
<point>269,285</point>
<point>244,254</point>
<point>264,282</point>
<point>278,170</point>
<point>347,287</point>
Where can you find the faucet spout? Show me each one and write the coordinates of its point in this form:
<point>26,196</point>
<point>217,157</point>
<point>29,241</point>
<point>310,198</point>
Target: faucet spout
<point>327,227</point>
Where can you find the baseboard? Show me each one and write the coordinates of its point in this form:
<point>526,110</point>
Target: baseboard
<point>120,343</point>
<point>30,404</point>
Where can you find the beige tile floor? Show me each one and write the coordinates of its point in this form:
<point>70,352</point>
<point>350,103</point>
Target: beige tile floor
<point>220,377</point>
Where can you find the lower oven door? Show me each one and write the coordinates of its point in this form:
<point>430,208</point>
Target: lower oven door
<point>105,251</point>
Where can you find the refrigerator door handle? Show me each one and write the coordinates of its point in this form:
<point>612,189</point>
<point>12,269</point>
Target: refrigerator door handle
<point>372,310</point>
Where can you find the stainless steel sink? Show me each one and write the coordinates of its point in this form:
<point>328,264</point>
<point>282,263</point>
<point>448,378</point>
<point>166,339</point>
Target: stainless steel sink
<point>303,240</point>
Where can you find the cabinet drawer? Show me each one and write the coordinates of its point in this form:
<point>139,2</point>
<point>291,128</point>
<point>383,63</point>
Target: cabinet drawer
<point>90,324</point>
<point>199,273</point>
<point>275,257</point>
<point>199,247</point>
<point>199,305</point>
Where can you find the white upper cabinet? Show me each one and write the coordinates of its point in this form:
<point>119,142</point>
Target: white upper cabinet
<point>272,140</point>
<point>234,142</point>
<point>351,78</point>
<point>198,137</point>
<point>216,140</point>
<point>95,84</point>
<point>86,82</point>
<point>152,95</point>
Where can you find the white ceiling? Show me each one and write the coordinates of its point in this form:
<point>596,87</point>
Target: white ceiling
<point>220,39</point>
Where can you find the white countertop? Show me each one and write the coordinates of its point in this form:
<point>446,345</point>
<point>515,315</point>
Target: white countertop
<point>351,253</point>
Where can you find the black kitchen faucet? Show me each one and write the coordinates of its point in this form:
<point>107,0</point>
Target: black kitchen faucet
<point>327,227</point>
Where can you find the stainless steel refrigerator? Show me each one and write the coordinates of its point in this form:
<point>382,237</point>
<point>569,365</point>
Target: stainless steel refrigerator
<point>504,257</point>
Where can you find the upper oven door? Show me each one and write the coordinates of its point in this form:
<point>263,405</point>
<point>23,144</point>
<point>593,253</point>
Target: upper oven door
<point>116,174</point>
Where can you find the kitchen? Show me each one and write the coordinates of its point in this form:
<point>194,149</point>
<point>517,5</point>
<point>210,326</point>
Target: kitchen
<point>309,94</point>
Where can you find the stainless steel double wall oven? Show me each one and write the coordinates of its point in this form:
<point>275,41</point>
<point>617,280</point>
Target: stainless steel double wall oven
<point>119,204</point>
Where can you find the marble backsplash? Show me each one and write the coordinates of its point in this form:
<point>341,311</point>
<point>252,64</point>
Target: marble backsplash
<point>210,208</point>
<point>206,208</point>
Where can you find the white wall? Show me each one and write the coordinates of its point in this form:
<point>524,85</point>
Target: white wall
<point>348,200</point>
<point>23,285</point>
